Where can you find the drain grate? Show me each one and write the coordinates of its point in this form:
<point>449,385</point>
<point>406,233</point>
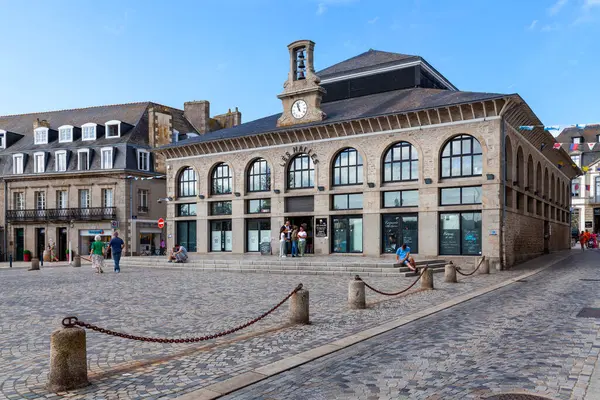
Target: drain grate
<point>515,396</point>
<point>590,280</point>
<point>589,312</point>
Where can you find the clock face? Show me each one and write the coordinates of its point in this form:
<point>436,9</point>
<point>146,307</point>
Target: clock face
<point>299,109</point>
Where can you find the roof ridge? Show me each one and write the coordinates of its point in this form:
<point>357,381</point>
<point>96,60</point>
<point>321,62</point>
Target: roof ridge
<point>79,108</point>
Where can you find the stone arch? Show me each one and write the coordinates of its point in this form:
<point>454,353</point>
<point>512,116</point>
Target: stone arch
<point>347,167</point>
<point>221,178</point>
<point>520,165</point>
<point>467,150</point>
<point>538,178</point>
<point>552,194</point>
<point>256,177</point>
<point>187,182</point>
<point>508,160</point>
<point>530,171</point>
<point>546,183</point>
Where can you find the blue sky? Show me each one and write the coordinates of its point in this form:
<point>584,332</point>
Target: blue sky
<point>70,54</point>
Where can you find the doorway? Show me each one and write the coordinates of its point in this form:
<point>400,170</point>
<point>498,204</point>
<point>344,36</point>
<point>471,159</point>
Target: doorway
<point>307,223</point>
<point>40,234</point>
<point>221,236</point>
<point>61,246</point>
<point>19,243</point>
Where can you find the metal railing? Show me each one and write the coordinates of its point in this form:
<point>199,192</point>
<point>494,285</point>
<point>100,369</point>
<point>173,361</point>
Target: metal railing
<point>143,209</point>
<point>62,214</point>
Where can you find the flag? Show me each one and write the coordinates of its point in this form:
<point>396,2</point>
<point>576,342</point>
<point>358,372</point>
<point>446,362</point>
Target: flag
<point>552,128</point>
<point>556,146</point>
<point>580,126</point>
<point>574,165</point>
<point>576,186</point>
<point>591,145</point>
<point>560,166</point>
<point>526,128</point>
<point>585,169</point>
<point>561,163</point>
<point>587,188</point>
<point>574,146</point>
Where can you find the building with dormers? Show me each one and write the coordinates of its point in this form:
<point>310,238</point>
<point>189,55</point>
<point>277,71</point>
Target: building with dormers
<point>375,151</point>
<point>69,175</point>
<point>583,145</point>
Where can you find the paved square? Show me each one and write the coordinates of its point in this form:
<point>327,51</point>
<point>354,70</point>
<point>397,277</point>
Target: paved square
<point>180,303</point>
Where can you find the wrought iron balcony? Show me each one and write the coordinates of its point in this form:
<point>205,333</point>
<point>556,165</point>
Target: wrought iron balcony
<point>142,209</point>
<point>62,214</point>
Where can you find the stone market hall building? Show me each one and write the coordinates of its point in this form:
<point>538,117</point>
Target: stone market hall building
<point>375,151</point>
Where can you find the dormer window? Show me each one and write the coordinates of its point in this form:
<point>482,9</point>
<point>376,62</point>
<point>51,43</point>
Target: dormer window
<point>113,129</point>
<point>39,162</point>
<point>577,140</point>
<point>143,160</point>
<point>88,131</point>
<point>18,163</point>
<point>2,139</point>
<point>65,134</point>
<point>106,154</point>
<point>60,161</point>
<point>83,159</point>
<point>41,136</point>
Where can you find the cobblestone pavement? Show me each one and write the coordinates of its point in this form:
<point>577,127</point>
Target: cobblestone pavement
<point>179,303</point>
<point>522,338</point>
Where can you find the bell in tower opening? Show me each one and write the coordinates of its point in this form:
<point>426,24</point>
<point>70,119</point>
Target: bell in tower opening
<point>302,93</point>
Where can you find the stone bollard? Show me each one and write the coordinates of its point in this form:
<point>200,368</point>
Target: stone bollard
<point>299,307</point>
<point>427,279</point>
<point>484,268</point>
<point>68,360</point>
<point>46,256</point>
<point>35,264</point>
<point>356,294</point>
<point>450,273</point>
<point>76,261</point>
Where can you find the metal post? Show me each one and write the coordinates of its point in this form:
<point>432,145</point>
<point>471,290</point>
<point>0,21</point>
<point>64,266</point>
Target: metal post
<point>10,260</point>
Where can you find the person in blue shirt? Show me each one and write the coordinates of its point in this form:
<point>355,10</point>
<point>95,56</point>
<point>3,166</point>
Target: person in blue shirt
<point>403,257</point>
<point>116,247</point>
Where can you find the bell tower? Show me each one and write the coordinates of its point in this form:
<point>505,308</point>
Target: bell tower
<point>301,97</point>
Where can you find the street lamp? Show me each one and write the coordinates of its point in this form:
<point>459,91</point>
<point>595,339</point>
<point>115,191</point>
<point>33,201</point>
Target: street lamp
<point>167,199</point>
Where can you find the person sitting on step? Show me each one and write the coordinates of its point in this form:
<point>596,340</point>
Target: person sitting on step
<point>179,254</point>
<point>403,257</point>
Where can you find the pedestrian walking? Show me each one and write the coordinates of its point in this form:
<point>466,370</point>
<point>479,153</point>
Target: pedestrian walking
<point>302,240</point>
<point>282,242</point>
<point>116,246</point>
<point>295,241</point>
<point>582,238</point>
<point>97,254</point>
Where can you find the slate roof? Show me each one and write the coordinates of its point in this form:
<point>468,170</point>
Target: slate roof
<point>590,135</point>
<point>397,101</point>
<point>366,61</point>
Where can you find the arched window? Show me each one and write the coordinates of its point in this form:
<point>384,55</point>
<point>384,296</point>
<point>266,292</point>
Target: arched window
<point>348,168</point>
<point>552,195</point>
<point>301,172</point>
<point>221,179</point>
<point>401,163</point>
<point>187,182</point>
<point>538,179</point>
<point>461,156</point>
<point>546,184</point>
<point>530,173</point>
<point>259,176</point>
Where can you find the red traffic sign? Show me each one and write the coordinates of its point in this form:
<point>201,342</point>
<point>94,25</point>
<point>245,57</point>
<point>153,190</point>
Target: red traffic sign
<point>161,222</point>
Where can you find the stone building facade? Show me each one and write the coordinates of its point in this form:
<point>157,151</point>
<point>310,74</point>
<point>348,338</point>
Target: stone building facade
<point>72,174</point>
<point>391,153</point>
<point>583,145</point>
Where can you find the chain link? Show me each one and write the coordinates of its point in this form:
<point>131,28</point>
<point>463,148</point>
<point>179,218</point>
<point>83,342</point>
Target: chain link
<point>69,322</point>
<point>358,278</point>
<point>472,272</point>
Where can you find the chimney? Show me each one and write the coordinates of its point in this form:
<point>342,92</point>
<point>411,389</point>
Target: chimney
<point>198,114</point>
<point>229,119</point>
<point>37,123</point>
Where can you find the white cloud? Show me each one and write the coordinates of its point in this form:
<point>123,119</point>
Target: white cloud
<point>556,7</point>
<point>591,3</point>
<point>372,21</point>
<point>550,28</point>
<point>321,9</point>
<point>533,24</point>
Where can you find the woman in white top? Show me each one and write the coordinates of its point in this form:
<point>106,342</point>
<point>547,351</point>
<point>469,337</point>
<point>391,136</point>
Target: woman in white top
<point>302,241</point>
<point>282,243</point>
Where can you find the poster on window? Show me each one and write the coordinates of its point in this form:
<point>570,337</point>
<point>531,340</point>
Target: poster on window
<point>228,241</point>
<point>321,227</point>
<point>253,240</point>
<point>216,241</point>
<point>450,241</point>
<point>471,241</point>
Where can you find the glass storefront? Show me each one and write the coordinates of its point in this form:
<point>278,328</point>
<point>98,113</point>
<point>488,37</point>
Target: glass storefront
<point>399,229</point>
<point>220,235</point>
<point>460,233</point>
<point>257,232</point>
<point>347,234</point>
<point>186,235</point>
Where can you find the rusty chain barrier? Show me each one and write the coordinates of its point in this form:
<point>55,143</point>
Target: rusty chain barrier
<point>358,278</point>
<point>74,321</point>
<point>472,272</point>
